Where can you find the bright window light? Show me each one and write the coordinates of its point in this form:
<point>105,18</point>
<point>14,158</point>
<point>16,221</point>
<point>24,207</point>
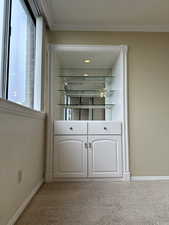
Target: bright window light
<point>22,56</point>
<point>1,41</point>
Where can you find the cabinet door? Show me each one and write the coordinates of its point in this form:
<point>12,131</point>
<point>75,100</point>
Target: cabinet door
<point>104,155</point>
<point>70,156</point>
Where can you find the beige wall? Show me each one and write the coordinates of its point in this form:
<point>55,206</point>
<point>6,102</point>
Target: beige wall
<point>148,74</point>
<point>21,148</point>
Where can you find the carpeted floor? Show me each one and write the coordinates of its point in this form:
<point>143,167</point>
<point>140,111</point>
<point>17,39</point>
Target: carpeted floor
<point>99,203</point>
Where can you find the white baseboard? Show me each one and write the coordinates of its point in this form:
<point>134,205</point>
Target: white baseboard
<point>126,176</point>
<point>15,217</point>
<point>149,178</point>
<point>93,179</point>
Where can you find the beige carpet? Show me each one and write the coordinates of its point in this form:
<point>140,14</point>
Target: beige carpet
<point>98,203</point>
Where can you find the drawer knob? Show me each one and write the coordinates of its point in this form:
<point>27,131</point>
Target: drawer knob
<point>105,128</point>
<point>71,128</point>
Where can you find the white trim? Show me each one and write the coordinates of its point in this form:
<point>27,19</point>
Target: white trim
<point>5,52</point>
<point>125,131</point>
<point>88,48</point>
<point>149,178</point>
<point>87,179</point>
<point>34,7</point>
<point>44,8</point>
<point>38,64</point>
<point>15,217</point>
<point>19,110</point>
<point>126,176</point>
<point>122,28</point>
<point>50,131</point>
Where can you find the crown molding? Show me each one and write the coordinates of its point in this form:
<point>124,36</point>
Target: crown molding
<point>44,9</point>
<point>121,28</point>
<point>88,48</point>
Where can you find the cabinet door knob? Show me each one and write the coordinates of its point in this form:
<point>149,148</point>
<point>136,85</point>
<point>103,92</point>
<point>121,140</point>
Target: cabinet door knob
<point>105,128</point>
<point>90,145</point>
<point>85,145</point>
<point>71,128</point>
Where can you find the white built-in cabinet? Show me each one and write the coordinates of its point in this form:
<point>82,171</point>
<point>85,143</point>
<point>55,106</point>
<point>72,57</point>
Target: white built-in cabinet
<point>87,149</point>
<point>88,106</point>
<point>104,156</point>
<point>70,156</point>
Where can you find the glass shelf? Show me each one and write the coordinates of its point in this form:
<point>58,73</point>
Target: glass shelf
<point>89,97</point>
<point>67,91</point>
<point>86,93</point>
<point>80,72</point>
<point>96,106</point>
<point>93,85</point>
<point>85,77</point>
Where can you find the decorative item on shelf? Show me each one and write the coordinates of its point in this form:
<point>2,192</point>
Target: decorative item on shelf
<point>66,87</point>
<point>103,93</point>
<point>85,75</point>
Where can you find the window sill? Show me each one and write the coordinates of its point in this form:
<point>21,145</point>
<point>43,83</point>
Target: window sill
<point>19,110</point>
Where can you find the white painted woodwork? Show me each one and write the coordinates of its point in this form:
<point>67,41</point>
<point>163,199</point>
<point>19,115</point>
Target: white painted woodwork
<point>39,67</point>
<point>104,156</point>
<point>70,127</point>
<point>97,155</point>
<point>104,127</point>
<point>70,156</point>
<point>119,113</point>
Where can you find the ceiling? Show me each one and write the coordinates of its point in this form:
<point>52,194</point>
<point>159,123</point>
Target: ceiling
<point>115,15</point>
<point>74,56</point>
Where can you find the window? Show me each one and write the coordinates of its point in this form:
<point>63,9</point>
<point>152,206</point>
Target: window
<point>21,53</point>
<point>1,40</point>
<point>21,67</point>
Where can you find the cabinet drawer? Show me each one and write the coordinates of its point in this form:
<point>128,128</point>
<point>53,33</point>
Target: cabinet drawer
<point>104,127</point>
<point>70,127</point>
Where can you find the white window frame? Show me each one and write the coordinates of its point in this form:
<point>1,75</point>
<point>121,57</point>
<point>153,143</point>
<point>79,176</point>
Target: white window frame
<point>39,68</point>
<point>39,58</point>
<point>5,50</point>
